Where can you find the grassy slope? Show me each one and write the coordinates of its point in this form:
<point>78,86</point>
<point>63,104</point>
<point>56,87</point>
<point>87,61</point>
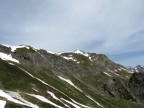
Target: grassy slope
<point>12,78</point>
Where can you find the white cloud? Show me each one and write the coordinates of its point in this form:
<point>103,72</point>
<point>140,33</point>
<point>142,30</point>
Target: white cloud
<point>103,26</point>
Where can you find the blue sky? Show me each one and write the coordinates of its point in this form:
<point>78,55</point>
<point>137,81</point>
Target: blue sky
<point>111,27</point>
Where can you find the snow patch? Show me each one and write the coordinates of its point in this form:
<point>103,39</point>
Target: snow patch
<point>107,74</point>
<point>35,90</point>
<point>123,68</point>
<point>76,106</point>
<point>136,70</point>
<point>51,52</point>
<point>69,58</point>
<point>116,74</point>
<point>78,62</point>
<point>53,95</point>
<point>13,48</point>
<point>2,103</point>
<point>7,57</point>
<point>36,50</point>
<point>82,53</point>
<point>90,58</point>
<point>11,63</point>
<point>120,69</point>
<point>94,101</point>
<point>130,71</point>
<point>115,70</point>
<point>110,70</point>
<point>27,72</point>
<point>9,96</point>
<point>127,70</point>
<point>42,81</point>
<point>17,96</point>
<point>70,82</point>
<point>43,99</point>
<point>84,106</point>
<point>39,80</point>
<point>56,98</point>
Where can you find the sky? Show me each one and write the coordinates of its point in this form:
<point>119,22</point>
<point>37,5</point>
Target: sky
<point>111,27</point>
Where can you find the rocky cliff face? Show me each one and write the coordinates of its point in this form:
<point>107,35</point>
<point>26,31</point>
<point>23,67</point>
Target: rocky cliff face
<point>131,89</point>
<point>117,88</point>
<point>5,49</point>
<point>136,86</point>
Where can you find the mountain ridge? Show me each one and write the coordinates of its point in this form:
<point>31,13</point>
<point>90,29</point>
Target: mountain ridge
<point>137,68</point>
<point>78,79</point>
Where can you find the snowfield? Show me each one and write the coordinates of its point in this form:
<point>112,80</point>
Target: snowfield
<point>7,57</point>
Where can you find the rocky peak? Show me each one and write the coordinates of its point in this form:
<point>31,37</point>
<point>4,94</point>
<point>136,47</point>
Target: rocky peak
<point>137,68</point>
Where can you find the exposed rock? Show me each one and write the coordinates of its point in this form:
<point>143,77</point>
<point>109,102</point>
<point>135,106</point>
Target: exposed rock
<point>138,68</point>
<point>136,86</point>
<point>5,49</point>
<point>116,88</point>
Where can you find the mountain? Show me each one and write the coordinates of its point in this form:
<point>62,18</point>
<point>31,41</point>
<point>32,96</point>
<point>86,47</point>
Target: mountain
<point>36,78</point>
<point>137,68</point>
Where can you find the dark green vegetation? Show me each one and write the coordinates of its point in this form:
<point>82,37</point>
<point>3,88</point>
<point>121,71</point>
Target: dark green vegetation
<point>94,80</point>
